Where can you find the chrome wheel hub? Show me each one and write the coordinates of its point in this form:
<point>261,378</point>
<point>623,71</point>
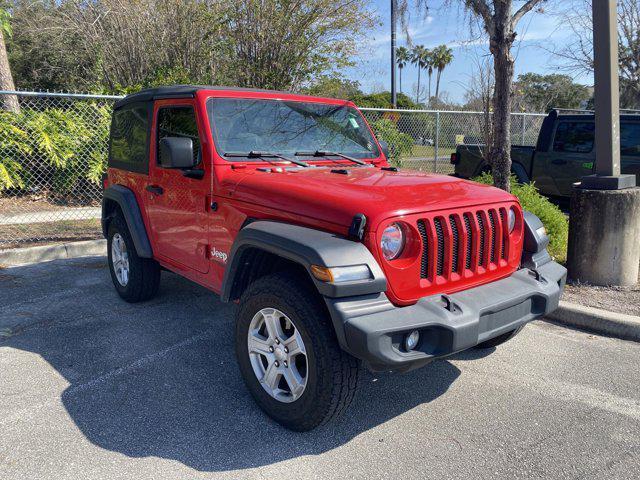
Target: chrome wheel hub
<point>278,355</point>
<point>120,259</point>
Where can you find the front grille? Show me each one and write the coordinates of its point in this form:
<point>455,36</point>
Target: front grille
<point>480,236</point>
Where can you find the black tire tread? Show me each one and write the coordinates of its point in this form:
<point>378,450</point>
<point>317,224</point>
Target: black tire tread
<point>300,297</point>
<point>499,340</point>
<point>141,287</point>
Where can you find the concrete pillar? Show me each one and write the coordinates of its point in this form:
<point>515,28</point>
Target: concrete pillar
<point>604,236</point>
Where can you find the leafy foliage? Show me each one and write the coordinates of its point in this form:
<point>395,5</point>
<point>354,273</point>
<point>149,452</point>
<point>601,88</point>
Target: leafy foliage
<point>55,148</point>
<point>400,144</point>
<point>551,216</point>
<point>540,93</point>
<point>119,45</point>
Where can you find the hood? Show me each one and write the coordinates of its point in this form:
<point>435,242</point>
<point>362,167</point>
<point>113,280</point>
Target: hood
<point>333,197</point>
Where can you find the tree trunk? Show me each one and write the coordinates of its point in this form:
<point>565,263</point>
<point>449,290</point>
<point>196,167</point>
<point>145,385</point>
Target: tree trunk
<point>400,79</point>
<point>8,102</point>
<point>418,92</point>
<point>429,100</point>
<point>438,85</point>
<point>500,152</point>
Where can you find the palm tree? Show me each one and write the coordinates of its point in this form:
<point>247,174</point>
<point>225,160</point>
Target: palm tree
<point>403,56</point>
<point>430,65</point>
<point>419,57</point>
<point>442,56</point>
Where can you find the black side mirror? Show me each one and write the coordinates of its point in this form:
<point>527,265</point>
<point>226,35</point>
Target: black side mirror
<point>385,148</point>
<point>176,152</point>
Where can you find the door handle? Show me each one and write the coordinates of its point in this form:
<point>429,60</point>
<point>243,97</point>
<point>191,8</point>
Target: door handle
<point>155,189</point>
<point>559,161</point>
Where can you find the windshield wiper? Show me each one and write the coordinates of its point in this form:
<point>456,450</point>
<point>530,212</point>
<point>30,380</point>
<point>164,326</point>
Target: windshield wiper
<point>264,156</point>
<point>322,153</point>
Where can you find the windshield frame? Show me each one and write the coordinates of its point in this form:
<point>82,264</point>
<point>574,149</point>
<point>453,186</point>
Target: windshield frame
<point>377,154</point>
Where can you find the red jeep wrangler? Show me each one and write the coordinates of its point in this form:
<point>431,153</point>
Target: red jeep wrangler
<point>286,205</point>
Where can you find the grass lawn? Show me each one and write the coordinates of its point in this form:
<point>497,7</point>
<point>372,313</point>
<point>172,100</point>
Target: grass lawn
<point>26,235</point>
<point>429,151</point>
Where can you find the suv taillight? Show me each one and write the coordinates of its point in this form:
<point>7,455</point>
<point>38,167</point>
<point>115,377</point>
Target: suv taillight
<point>454,158</point>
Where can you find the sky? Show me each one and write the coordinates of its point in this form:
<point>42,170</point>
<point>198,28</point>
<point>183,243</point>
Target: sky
<point>537,33</point>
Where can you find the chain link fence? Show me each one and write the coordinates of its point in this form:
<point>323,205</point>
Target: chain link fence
<point>53,152</point>
<point>435,134</point>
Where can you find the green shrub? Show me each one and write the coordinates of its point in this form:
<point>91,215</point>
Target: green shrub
<point>400,144</point>
<point>55,148</point>
<point>551,216</point>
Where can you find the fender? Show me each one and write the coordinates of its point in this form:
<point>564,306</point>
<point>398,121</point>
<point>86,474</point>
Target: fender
<point>306,247</point>
<point>128,204</point>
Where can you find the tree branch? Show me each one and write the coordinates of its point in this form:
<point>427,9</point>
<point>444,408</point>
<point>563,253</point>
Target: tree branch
<point>524,9</point>
<point>481,8</point>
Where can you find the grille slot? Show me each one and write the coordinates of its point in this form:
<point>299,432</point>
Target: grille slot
<point>456,243</point>
<point>437,223</point>
<point>467,225</point>
<point>424,261</point>
<point>492,243</point>
<point>482,239</point>
<point>505,238</point>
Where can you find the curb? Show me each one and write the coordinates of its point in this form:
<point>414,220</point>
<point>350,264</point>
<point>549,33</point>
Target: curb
<point>613,324</point>
<point>46,253</point>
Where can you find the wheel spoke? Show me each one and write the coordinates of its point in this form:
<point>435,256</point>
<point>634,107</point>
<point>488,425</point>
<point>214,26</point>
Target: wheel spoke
<point>258,345</point>
<point>295,344</point>
<point>271,377</point>
<point>294,380</point>
<point>272,322</point>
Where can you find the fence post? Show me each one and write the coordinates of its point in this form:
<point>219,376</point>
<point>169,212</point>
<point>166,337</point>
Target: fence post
<point>524,118</point>
<point>436,143</point>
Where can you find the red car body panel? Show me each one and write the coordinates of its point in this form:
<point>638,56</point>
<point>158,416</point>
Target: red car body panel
<point>184,229</point>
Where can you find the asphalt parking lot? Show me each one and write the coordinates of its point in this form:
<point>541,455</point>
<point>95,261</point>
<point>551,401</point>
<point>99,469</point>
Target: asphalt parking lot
<point>91,387</point>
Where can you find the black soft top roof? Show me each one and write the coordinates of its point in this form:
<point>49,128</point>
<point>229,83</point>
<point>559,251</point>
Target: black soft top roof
<point>178,91</point>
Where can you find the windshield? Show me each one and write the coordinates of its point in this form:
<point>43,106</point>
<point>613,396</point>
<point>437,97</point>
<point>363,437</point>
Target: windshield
<point>241,125</point>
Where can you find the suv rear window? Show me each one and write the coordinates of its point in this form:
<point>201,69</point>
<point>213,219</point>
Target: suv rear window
<point>574,137</point>
<point>129,145</point>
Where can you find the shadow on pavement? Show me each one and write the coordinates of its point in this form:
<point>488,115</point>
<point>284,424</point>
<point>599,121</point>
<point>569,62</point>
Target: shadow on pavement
<point>160,379</point>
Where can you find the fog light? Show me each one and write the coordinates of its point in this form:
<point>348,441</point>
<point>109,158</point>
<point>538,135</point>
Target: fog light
<point>411,340</point>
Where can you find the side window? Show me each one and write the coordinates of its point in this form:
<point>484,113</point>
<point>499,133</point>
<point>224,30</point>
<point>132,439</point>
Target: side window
<point>575,137</point>
<point>630,139</point>
<point>128,147</point>
<point>179,122</point>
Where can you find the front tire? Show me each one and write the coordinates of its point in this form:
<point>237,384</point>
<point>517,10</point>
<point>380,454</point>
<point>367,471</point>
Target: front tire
<point>312,381</point>
<point>135,279</point>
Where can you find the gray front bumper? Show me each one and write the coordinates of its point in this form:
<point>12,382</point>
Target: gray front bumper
<point>372,328</point>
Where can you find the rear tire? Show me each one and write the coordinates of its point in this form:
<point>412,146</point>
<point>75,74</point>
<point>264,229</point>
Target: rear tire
<point>135,279</point>
<point>330,375</point>
<point>499,340</point>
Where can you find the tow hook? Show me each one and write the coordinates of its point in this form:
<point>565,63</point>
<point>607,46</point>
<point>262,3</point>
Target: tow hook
<point>448,303</point>
<point>536,274</point>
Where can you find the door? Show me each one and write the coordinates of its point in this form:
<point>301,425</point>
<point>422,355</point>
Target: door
<point>572,154</point>
<point>630,149</point>
<point>177,204</point>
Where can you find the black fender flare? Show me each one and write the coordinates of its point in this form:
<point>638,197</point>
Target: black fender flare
<point>306,247</point>
<point>126,200</point>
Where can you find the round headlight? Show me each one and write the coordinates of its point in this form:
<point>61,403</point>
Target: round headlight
<point>392,241</point>
<point>511,219</point>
